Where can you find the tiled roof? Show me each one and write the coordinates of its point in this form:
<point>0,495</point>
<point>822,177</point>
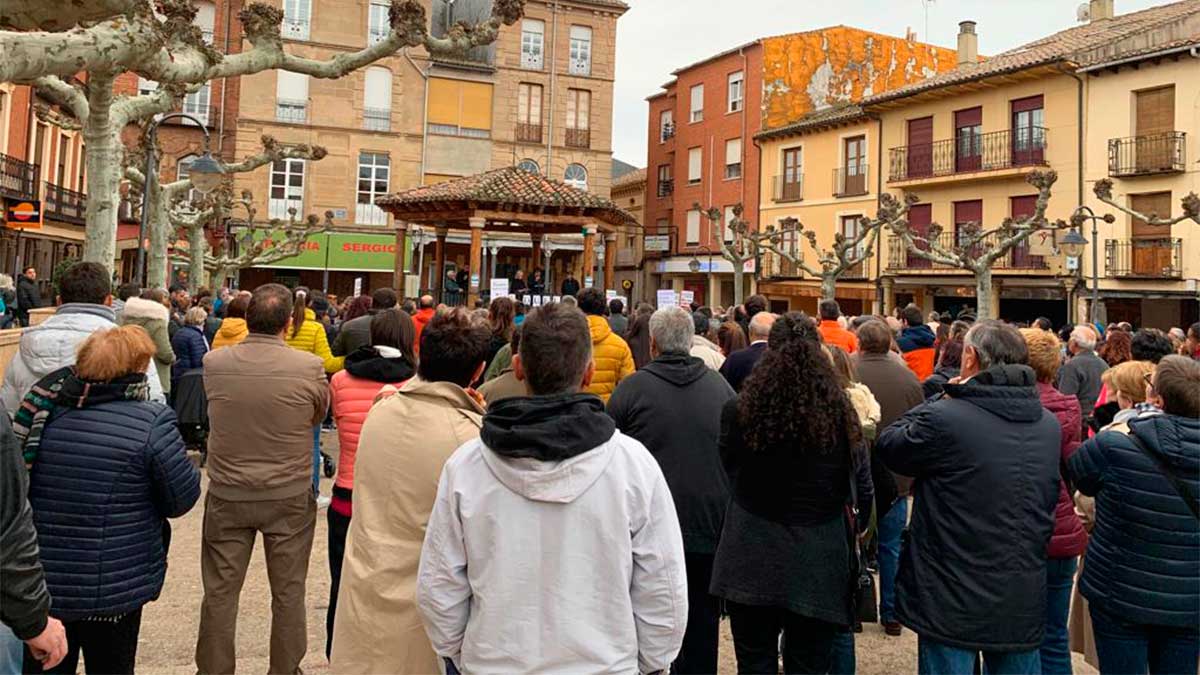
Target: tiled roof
<point>835,115</point>
<point>506,189</point>
<point>1061,46</point>
<point>631,178</point>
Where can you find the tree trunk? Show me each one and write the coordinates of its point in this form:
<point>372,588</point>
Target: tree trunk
<point>157,265</point>
<point>104,152</point>
<point>197,274</point>
<point>739,280</point>
<point>828,286</point>
<point>983,294</point>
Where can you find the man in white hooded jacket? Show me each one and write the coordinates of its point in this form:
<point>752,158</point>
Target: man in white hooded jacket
<point>553,545</point>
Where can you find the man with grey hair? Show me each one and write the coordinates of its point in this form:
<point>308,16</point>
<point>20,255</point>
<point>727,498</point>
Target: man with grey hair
<point>1080,376</point>
<point>985,456</point>
<point>673,406</point>
<point>738,365</point>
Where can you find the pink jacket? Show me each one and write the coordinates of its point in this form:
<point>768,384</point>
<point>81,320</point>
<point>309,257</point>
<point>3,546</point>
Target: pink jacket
<point>1069,538</point>
<point>352,400</point>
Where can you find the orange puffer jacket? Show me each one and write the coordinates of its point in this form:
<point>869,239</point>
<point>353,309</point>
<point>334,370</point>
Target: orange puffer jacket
<point>353,394</point>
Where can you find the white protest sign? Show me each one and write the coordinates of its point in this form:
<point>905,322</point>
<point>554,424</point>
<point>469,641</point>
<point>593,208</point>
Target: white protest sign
<point>686,298</point>
<point>499,288</point>
<point>666,298</point>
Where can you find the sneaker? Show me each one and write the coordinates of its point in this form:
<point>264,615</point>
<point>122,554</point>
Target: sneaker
<point>323,502</point>
<point>892,628</point>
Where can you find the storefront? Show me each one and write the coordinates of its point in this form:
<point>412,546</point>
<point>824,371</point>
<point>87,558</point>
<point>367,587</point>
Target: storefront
<point>338,262</point>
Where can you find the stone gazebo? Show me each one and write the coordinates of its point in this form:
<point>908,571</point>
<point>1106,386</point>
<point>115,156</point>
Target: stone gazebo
<point>506,201</point>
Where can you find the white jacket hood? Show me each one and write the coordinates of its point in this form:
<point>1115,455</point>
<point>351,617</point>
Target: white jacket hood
<point>556,482</point>
<point>139,309</point>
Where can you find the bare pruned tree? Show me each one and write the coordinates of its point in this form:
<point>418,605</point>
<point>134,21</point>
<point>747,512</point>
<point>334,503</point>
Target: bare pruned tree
<point>1190,207</point>
<point>737,247</point>
<point>48,44</point>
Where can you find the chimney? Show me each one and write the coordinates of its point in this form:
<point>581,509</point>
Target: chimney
<point>1100,9</point>
<point>968,43</point>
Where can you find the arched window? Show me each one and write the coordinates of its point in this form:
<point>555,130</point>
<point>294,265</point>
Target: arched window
<point>529,165</point>
<point>575,176</point>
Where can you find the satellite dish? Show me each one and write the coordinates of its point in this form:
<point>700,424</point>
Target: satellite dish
<point>1083,13</point>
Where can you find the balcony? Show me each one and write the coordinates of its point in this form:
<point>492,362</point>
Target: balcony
<point>1144,258</point>
<point>900,259</point>
<point>18,179</point>
<point>666,187</point>
<point>858,271</point>
<point>529,133</point>
<point>579,138</point>
<point>957,159</point>
<point>377,119</point>
<point>62,204</point>
<point>775,266</point>
<point>294,28</point>
<point>291,111</point>
<point>1147,155</point>
<point>667,132</point>
<point>850,182</point>
<point>788,188</point>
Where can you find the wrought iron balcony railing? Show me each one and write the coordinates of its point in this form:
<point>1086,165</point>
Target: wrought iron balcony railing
<point>18,179</point>
<point>992,151</point>
<point>579,138</point>
<point>1147,155</point>
<point>377,119</point>
<point>63,204</point>
<point>850,182</point>
<point>788,188</point>
<point>666,187</point>
<point>291,111</point>
<point>1018,258</point>
<point>1144,258</point>
<point>529,133</point>
<point>667,132</point>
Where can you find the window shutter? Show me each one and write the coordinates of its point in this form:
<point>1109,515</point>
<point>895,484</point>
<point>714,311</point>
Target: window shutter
<point>729,216</point>
<point>378,93</point>
<point>733,151</point>
<point>693,227</point>
<point>476,105</point>
<point>697,97</point>
<point>291,86</point>
<point>694,164</point>
<point>206,16</point>
<point>443,101</point>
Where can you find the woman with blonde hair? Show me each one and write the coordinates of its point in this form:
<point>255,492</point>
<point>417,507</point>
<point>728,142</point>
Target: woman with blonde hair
<point>107,469</point>
<point>189,344</point>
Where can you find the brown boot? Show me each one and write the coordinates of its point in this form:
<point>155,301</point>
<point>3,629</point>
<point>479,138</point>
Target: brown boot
<point>892,628</point>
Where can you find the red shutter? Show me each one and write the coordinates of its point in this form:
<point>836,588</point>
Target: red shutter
<point>971,117</point>
<point>920,147</point>
<point>919,218</point>
<point>1027,104</point>
<point>1022,207</point>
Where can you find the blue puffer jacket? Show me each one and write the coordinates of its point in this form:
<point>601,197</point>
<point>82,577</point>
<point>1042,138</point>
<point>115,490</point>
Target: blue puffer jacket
<point>105,480</point>
<point>190,346</point>
<point>1143,561</point>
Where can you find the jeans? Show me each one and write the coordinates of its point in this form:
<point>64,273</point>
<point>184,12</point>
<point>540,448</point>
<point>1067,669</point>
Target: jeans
<point>1056,650</point>
<point>807,643</point>
<point>107,646</point>
<point>12,652</point>
<point>844,661</point>
<point>699,651</point>
<point>317,460</point>
<point>890,526</point>
<point>1137,648</point>
<point>935,658</point>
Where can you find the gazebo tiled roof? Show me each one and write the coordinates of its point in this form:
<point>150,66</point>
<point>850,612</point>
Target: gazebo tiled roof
<point>509,190</point>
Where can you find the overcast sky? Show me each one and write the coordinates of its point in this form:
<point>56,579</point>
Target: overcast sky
<point>656,37</point>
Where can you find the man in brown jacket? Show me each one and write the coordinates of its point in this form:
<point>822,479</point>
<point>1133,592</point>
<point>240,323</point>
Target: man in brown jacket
<point>897,389</point>
<point>264,398</point>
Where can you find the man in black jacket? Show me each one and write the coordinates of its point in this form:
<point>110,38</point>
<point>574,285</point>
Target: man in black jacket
<point>28,295</point>
<point>356,332</point>
<point>673,406</point>
<point>985,457</point>
<point>24,600</point>
<point>740,364</point>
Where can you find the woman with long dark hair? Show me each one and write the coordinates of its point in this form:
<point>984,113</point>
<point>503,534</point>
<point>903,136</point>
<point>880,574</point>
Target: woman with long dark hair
<point>791,443</point>
<point>731,338</point>
<point>637,336</point>
<point>502,314</point>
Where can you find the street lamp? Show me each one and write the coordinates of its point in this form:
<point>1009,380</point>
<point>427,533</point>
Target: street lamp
<point>694,265</point>
<point>1074,241</point>
<point>1072,244</point>
<point>205,173</point>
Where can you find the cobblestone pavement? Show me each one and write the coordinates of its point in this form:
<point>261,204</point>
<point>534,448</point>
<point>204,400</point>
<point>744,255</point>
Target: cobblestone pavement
<point>169,626</point>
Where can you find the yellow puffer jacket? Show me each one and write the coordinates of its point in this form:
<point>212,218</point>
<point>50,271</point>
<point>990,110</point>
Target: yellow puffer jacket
<point>614,361</point>
<point>311,338</point>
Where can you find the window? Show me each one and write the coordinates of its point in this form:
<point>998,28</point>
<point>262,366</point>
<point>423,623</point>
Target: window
<point>666,126</point>
<point>666,185</point>
<point>378,24</point>
<point>146,87</point>
<point>693,227</point>
<point>296,17</point>
<point>291,97</point>
<point>3,122</point>
<point>287,188</point>
<point>533,41</point>
<point>790,185</point>
<point>529,165</point>
<point>196,104</point>
<point>1029,134</point>
<point>529,113</point>
<point>377,99</point>
<point>851,228</point>
<point>460,108</point>
<point>697,109</point>
<point>968,139</point>
<point>695,163</point>
<point>727,230</point>
<point>373,171</point>
<point>853,178</point>
<point>968,216</point>
<point>579,108</point>
<point>733,158</point>
<point>64,144</point>
<point>206,17</point>
<point>581,51</point>
<point>735,91</point>
<point>575,176</point>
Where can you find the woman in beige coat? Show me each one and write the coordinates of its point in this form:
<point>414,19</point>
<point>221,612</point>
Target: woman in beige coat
<point>407,437</point>
<point>150,312</point>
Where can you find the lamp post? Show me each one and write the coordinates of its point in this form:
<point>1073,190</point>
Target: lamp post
<point>205,173</point>
<point>1074,241</point>
<point>694,266</point>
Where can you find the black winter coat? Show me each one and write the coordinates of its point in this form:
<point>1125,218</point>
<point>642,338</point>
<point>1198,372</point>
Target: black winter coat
<point>740,364</point>
<point>28,296</point>
<point>190,346</point>
<point>937,381</point>
<point>106,479</point>
<point>353,335</point>
<point>1143,560</point>
<point>985,460</point>
<point>673,406</point>
<point>24,601</point>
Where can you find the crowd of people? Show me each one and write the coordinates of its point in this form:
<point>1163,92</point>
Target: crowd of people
<point>584,487</point>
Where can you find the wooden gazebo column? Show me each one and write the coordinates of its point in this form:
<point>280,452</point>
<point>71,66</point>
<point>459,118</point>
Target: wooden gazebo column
<point>476,261</point>
<point>398,275</point>
<point>535,255</point>
<point>610,260</point>
<point>589,256</point>
<point>439,254</point>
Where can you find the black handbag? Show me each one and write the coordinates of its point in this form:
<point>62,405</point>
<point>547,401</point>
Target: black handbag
<point>863,605</point>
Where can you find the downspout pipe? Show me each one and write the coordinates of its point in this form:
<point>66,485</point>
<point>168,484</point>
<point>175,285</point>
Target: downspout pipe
<point>425,114</point>
<point>1079,158</point>
<point>879,240</point>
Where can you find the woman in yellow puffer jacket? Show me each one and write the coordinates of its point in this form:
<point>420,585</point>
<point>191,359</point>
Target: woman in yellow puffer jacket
<point>308,335</point>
